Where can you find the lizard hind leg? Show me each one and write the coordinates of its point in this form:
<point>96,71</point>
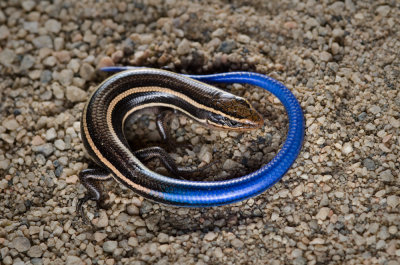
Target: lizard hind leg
<point>155,152</point>
<point>92,179</point>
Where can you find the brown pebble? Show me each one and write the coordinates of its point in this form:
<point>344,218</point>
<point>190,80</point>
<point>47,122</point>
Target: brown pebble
<point>117,56</point>
<point>37,140</point>
<point>105,62</point>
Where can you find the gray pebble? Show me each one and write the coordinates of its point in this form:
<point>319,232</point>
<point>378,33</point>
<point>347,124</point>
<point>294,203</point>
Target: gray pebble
<point>53,25</point>
<point>31,26</point>
<point>393,201</point>
<point>86,71</point>
<point>183,47</point>
<point>28,5</point>
<point>45,149</point>
<point>65,76</point>
<point>75,94</point>
<point>132,209</point>
<point>163,238</point>
<point>10,124</point>
<point>73,260</point>
<point>7,57</point>
<point>35,252</point>
<point>110,246</point>
<point>362,116</point>
<point>4,32</point>
<point>59,144</point>
<point>51,134</point>
<point>227,46</point>
<point>325,56</point>
<point>37,261</point>
<point>237,243</point>
<point>46,76</point>
<point>369,164</point>
<point>43,42</point>
<point>57,91</point>
<point>21,244</point>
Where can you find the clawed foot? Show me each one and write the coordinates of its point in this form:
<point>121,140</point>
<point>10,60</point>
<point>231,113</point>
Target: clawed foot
<point>100,204</point>
<point>91,179</point>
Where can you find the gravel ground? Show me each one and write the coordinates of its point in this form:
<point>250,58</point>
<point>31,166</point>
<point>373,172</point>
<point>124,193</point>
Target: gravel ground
<point>339,204</point>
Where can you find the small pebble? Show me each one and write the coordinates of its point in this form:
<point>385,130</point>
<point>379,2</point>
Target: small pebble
<point>21,244</point>
<point>75,94</point>
<point>110,246</point>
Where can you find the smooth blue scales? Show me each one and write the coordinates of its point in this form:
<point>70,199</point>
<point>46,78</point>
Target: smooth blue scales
<point>213,193</point>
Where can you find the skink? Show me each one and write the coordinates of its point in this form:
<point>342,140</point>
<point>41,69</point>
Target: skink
<point>129,91</point>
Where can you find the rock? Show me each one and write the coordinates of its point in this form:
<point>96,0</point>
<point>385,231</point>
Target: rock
<point>4,164</point>
<point>59,43</point>
<point>57,91</point>
<point>205,154</point>
<point>132,209</point>
<point>393,201</point>
<point>43,42</point>
<point>325,56</point>
<point>227,46</point>
<point>99,236</point>
<point>229,164</point>
<point>53,25</point>
<point>50,61</point>
<point>386,176</point>
<point>110,246</point>
<point>37,140</point>
<point>374,109</point>
<point>35,252</point>
<point>46,76</point>
<point>210,236</point>
<point>133,242</point>
<point>218,253</point>
<point>103,220</point>
<point>347,148</point>
<point>7,57</point>
<point>335,48</point>
<point>394,122</point>
<point>65,77</point>
<point>4,32</point>
<point>75,94</point>
<point>10,124</point>
<point>45,149</point>
<point>383,10</point>
<point>183,47</point>
<point>298,190</point>
<point>323,213</point>
<point>369,164</point>
<point>31,26</point>
<point>86,71</point>
<point>51,134</point>
<point>370,127</point>
<point>128,46</point>
<point>219,32</point>
<point>243,38</point>
<point>105,62</point>
<point>27,62</point>
<point>28,5</point>
<point>237,243</point>
<point>317,241</point>
<point>21,244</point>
<point>116,56</point>
<point>60,144</point>
<point>163,238</point>
<point>337,33</point>
<point>74,260</point>
<point>71,179</point>
<point>62,56</point>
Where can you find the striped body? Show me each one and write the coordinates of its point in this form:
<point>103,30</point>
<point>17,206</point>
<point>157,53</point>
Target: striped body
<point>127,92</point>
